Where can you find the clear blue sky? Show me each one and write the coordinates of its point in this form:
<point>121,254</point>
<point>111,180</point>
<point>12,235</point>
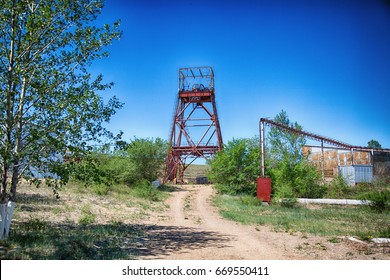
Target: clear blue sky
<point>327,63</point>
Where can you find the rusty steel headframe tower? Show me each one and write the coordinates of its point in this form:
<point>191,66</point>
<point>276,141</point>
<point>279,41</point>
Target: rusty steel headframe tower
<point>195,131</point>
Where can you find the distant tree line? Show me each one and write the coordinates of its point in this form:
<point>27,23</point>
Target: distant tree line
<point>140,159</point>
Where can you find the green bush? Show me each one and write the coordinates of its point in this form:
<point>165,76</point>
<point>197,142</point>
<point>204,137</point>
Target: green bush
<point>234,169</point>
<point>35,224</point>
<point>379,200</point>
<point>141,159</point>
<point>384,232</point>
<point>145,190</point>
<point>147,156</point>
<point>298,179</point>
<point>285,196</point>
<point>381,182</point>
<point>100,189</point>
<point>90,169</point>
<point>338,188</point>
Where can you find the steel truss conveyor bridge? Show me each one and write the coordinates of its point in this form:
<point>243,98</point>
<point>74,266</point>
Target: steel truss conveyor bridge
<point>316,137</point>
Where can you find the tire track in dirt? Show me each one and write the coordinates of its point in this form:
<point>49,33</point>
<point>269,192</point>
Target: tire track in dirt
<point>246,243</point>
<point>191,210</point>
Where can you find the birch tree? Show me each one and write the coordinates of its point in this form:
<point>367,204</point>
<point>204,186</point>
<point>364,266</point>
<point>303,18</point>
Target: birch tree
<point>51,104</point>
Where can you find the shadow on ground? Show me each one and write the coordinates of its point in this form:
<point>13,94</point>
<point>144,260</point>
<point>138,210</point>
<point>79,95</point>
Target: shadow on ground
<point>163,240</point>
<point>37,239</point>
<point>37,199</point>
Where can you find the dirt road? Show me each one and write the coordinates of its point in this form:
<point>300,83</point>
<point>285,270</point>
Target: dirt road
<point>191,228</point>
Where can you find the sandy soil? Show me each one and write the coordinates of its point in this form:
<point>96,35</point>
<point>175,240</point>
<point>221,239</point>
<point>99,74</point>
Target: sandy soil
<point>192,229</point>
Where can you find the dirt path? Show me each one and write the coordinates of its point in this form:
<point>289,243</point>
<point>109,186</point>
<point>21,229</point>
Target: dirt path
<point>190,208</point>
<point>196,231</point>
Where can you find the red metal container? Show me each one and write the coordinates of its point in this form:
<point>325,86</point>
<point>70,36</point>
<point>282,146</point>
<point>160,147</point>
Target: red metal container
<point>264,189</point>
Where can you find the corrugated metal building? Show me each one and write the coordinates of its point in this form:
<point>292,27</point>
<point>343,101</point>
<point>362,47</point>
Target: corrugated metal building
<point>355,166</point>
<point>354,174</point>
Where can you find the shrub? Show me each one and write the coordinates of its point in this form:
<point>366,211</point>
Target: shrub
<point>35,224</point>
<point>379,200</point>
<point>87,219</point>
<point>147,156</point>
<point>234,169</point>
<point>145,190</point>
<point>285,196</point>
<point>384,232</point>
<point>338,188</point>
<point>381,182</point>
<point>298,179</point>
<point>142,159</point>
<point>100,189</point>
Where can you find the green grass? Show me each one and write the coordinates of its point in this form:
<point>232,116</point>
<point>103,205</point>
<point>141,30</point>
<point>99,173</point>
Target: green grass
<point>324,220</point>
<point>87,216</point>
<point>36,239</point>
<point>82,224</point>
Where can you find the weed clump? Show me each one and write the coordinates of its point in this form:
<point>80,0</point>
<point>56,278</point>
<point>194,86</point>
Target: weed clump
<point>250,200</point>
<point>87,216</point>
<point>145,190</point>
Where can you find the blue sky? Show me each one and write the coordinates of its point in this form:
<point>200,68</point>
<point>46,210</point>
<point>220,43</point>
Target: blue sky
<point>327,63</point>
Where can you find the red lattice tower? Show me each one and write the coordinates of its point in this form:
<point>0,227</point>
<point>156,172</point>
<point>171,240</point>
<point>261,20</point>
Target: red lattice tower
<point>195,129</point>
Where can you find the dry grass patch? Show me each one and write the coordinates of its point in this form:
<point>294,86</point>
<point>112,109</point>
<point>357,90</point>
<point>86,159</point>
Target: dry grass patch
<point>80,224</point>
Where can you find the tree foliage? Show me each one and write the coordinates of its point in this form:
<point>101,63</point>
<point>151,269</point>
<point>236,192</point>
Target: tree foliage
<point>283,144</point>
<point>148,157</point>
<point>141,160</point>
<point>293,175</point>
<point>50,104</point>
<point>374,144</point>
<point>235,168</point>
